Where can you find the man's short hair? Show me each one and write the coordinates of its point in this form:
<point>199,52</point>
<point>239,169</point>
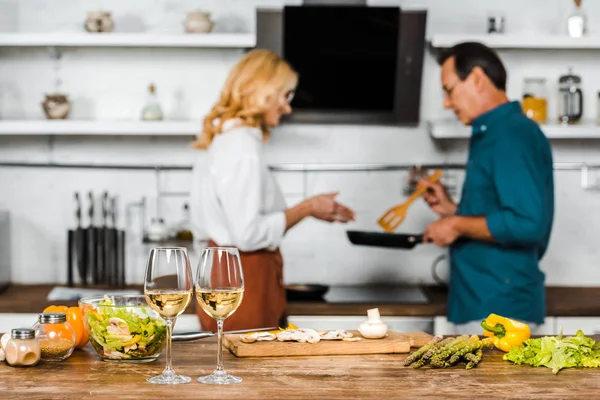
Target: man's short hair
<point>469,55</point>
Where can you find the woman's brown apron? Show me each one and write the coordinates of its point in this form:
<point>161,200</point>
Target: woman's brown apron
<point>264,303</point>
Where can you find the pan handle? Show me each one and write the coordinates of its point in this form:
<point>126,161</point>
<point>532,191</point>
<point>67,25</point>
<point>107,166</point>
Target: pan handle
<point>418,238</point>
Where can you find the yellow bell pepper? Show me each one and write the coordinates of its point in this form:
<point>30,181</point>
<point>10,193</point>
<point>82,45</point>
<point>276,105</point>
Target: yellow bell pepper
<point>505,332</point>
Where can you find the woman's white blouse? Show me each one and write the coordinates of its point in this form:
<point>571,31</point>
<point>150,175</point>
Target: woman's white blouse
<point>235,199</point>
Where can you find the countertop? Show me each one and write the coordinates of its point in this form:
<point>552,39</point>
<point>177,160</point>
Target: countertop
<point>382,376</point>
<point>561,301</point>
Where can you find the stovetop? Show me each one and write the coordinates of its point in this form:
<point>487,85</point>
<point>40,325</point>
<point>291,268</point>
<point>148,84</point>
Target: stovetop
<point>376,294</point>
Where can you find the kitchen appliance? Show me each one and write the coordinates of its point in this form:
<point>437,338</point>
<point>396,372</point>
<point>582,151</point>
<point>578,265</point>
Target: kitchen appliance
<point>5,251</point>
<point>357,64</point>
<point>393,217</point>
<point>535,103</point>
<point>380,239</point>
<point>570,99</point>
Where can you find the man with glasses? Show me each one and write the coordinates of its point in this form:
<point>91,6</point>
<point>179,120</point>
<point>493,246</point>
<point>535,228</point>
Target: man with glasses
<point>500,229</point>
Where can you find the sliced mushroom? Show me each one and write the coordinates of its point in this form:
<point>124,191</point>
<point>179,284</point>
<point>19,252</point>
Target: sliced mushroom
<point>118,327</point>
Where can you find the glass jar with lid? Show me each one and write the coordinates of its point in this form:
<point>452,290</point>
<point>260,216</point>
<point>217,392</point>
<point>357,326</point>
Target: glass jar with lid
<point>22,349</point>
<point>535,103</point>
<point>56,336</point>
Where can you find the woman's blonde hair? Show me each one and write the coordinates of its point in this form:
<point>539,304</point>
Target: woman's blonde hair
<point>253,81</point>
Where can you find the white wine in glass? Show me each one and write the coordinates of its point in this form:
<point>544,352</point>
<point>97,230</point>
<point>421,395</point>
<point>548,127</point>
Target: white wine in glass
<point>168,289</point>
<point>219,291</point>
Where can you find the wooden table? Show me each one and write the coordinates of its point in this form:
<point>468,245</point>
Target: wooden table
<point>84,376</point>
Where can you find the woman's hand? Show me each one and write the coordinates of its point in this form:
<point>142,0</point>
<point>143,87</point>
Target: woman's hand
<point>325,208</point>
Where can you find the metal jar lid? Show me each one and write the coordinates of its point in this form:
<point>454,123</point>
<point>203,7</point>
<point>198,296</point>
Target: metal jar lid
<point>52,318</point>
<point>22,333</point>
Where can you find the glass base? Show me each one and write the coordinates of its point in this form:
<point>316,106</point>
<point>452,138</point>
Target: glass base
<point>169,379</point>
<point>219,378</point>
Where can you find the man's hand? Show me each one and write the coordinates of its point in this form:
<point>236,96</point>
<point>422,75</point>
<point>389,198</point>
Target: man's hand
<point>442,232</point>
<point>438,199</point>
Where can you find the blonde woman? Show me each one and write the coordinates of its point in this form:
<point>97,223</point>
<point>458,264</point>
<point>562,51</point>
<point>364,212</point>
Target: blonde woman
<point>236,200</point>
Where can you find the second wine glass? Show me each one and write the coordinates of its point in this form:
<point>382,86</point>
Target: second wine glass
<point>168,289</point>
<point>219,291</point>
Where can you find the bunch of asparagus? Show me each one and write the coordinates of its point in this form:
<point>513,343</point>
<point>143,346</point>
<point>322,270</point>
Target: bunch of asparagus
<point>442,353</point>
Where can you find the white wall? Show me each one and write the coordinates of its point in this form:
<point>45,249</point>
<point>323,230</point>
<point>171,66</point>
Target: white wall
<point>111,84</point>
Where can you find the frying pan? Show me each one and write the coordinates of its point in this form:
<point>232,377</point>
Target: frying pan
<point>389,240</point>
<point>307,292</point>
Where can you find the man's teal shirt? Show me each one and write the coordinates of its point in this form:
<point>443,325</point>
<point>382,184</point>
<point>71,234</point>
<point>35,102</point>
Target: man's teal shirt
<point>509,180</point>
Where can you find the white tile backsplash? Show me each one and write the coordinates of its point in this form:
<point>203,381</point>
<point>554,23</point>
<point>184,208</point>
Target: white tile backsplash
<point>111,83</point>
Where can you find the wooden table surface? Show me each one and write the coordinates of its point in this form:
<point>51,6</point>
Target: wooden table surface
<point>84,376</point>
<point>560,301</point>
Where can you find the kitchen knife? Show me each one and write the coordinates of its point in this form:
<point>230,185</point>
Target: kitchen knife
<point>101,240</point>
<point>186,336</point>
<point>91,242</point>
<point>80,243</point>
<point>70,255</point>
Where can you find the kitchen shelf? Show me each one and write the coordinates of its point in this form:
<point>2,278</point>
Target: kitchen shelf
<point>519,41</point>
<point>455,130</point>
<point>98,127</point>
<point>77,39</point>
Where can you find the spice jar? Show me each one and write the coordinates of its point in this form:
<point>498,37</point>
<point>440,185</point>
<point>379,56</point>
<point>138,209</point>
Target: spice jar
<point>534,104</point>
<point>56,336</point>
<point>23,348</point>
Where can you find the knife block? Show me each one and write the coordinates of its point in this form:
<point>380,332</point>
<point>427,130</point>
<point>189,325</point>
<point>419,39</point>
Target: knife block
<point>97,256</point>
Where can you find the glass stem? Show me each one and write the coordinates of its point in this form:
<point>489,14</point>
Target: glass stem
<point>219,345</point>
<point>169,368</point>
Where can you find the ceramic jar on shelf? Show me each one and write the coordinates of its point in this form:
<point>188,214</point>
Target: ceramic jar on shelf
<point>99,21</point>
<point>198,22</point>
<point>56,106</point>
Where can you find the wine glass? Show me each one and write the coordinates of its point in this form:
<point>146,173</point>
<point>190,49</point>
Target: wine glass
<point>219,291</point>
<point>168,289</point>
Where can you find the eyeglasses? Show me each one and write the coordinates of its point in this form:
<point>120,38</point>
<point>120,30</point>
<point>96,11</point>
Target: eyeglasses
<point>289,96</point>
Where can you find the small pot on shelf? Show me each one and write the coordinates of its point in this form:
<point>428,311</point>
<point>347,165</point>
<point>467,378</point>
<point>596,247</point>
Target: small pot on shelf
<point>198,22</point>
<point>56,106</point>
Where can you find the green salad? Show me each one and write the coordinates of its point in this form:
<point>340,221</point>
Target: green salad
<point>119,333</point>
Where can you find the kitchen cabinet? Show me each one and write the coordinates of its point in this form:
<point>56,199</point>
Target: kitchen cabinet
<point>333,322</point>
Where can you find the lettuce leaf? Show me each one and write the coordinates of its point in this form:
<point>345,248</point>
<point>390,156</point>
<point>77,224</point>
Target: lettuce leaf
<point>556,352</point>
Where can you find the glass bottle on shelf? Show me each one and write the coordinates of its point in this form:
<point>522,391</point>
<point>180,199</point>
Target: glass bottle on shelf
<point>183,230</point>
<point>577,21</point>
<point>535,104</point>
<point>152,110</point>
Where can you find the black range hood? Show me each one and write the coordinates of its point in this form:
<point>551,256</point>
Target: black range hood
<point>357,64</point>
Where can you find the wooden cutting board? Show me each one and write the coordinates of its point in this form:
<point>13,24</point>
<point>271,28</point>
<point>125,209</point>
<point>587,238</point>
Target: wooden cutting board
<point>394,342</point>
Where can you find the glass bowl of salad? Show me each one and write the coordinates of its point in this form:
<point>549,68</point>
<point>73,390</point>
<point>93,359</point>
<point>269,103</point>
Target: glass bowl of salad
<point>123,328</point>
